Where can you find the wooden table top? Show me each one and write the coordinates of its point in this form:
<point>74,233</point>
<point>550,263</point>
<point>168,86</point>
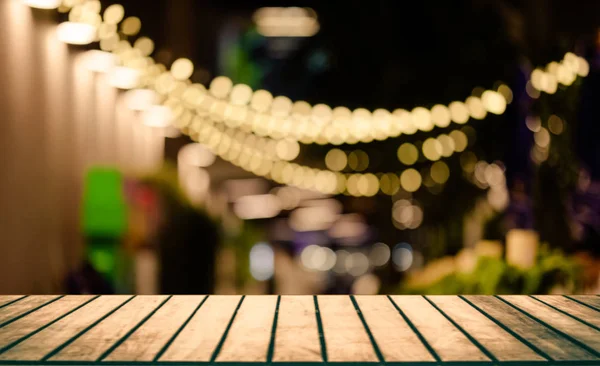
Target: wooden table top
<point>403,330</point>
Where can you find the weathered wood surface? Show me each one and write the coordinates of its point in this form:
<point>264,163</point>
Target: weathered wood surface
<point>399,330</point>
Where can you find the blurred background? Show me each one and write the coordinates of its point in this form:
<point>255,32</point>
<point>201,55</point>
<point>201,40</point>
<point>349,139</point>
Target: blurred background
<point>308,147</point>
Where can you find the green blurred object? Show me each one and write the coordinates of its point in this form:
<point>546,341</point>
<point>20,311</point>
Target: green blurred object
<point>493,276</point>
<point>104,209</point>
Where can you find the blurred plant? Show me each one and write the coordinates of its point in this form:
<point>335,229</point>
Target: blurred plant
<point>552,272</point>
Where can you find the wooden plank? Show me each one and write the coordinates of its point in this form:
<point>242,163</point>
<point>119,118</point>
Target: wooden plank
<point>564,323</point>
<point>445,339</point>
<point>346,339</point>
<point>250,334</point>
<point>391,330</point>
<point>590,300</point>
<point>5,299</point>
<point>95,342</point>
<point>145,343</point>
<point>21,307</point>
<point>39,318</point>
<point>297,333</point>
<point>199,338</point>
<point>573,308</point>
<point>543,338</point>
<point>501,344</point>
<point>42,343</point>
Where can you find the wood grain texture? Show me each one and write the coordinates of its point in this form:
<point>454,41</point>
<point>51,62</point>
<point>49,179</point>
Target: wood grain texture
<point>543,338</point>
<point>345,336</point>
<point>250,334</point>
<point>5,299</point>
<point>145,343</point>
<point>198,339</point>
<point>39,318</point>
<point>447,341</point>
<point>573,308</point>
<point>42,343</point>
<point>590,300</point>
<point>564,323</point>
<point>92,344</point>
<point>297,333</point>
<point>501,344</point>
<point>390,330</point>
<point>21,307</point>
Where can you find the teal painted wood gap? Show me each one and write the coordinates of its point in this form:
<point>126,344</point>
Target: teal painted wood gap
<point>299,330</point>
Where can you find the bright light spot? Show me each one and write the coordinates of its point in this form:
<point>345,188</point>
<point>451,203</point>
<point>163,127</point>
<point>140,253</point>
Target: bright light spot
<point>421,118</point>
<point>182,69</point>
<point>498,198</point>
<point>261,206</point>
<point>368,185</point>
<point>99,61</point>
<point>287,149</point>
<point>42,4</point>
<point>402,257</point>
<point>410,180</point>
<point>76,33</point>
<point>555,124</point>
<point>368,284</point>
<point>531,90</point>
<point>286,22</point>
<point>336,160</point>
<point>158,116</point>
<point>240,94</point>
<point>408,153</point>
<point>440,172</point>
<point>140,99</point>
<point>124,77</point>
<point>460,140</point>
<point>476,107</point>
<point>357,264</point>
<point>312,218</point>
<point>262,261</point>
<point>583,67</point>
<point>318,258</point>
<point>131,26</point>
<point>195,183</point>
<point>505,91</point>
<point>145,45</point>
<point>447,144</point>
<point>380,254</point>
<point>261,100</point>
<point>358,160</point>
<point>440,115</point>
<point>114,14</point>
<point>348,226</point>
<point>195,154</point>
<point>405,215</point>
<point>459,112</point>
<point>432,149</point>
<point>494,102</point>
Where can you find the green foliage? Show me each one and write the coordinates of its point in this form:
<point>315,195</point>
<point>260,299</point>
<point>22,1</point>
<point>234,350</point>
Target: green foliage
<point>494,276</point>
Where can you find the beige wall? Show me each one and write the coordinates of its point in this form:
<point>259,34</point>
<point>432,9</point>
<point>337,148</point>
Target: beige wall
<point>56,118</point>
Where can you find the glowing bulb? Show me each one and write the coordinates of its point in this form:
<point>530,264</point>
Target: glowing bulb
<point>42,4</point>
<point>220,86</point>
<point>99,61</point>
<point>158,116</point>
<point>140,99</point>
<point>114,14</point>
<point>124,77</point>
<point>182,69</point>
<point>410,180</point>
<point>76,33</point>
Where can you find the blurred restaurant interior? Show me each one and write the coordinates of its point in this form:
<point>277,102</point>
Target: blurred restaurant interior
<point>308,147</point>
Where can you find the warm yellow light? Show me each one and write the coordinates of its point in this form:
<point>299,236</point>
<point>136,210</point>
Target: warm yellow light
<point>440,115</point>
<point>114,14</point>
<point>505,91</point>
<point>42,4</point>
<point>76,33</point>
<point>131,26</point>
<point>494,102</point>
<point>220,86</point>
<point>583,67</point>
<point>240,94</point>
<point>476,107</point>
<point>158,116</point>
<point>459,112</point>
<point>389,183</point>
<point>182,69</point>
<point>358,160</point>
<point>410,180</point>
<point>460,140</point>
<point>447,144</point>
<point>542,138</point>
<point>281,106</point>
<point>287,149</point>
<point>145,45</point>
<point>124,77</point>
<point>421,118</point>
<point>440,172</point>
<point>336,160</point>
<point>367,185</point>
<point>432,149</point>
<point>555,124</point>
<point>140,99</point>
<point>408,153</point>
<point>99,61</point>
<point>261,100</point>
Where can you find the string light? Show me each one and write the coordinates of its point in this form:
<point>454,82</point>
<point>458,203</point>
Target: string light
<point>76,33</point>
